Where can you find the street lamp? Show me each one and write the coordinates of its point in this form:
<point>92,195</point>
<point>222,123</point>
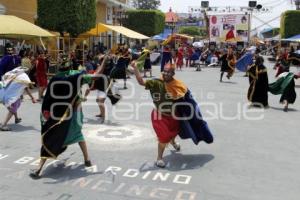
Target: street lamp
<point>252,6</point>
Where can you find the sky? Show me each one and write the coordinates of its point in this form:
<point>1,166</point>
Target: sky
<point>278,6</point>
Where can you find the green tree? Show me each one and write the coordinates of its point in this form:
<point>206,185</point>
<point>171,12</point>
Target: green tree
<point>290,23</point>
<point>71,16</point>
<point>147,22</point>
<point>193,31</point>
<point>146,4</point>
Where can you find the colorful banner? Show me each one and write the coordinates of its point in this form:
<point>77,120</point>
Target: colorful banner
<point>229,28</point>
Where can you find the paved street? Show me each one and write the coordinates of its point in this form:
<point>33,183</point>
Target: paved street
<point>255,155</point>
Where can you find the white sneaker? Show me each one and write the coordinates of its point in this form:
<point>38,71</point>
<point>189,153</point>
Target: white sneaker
<point>176,146</point>
<point>160,164</point>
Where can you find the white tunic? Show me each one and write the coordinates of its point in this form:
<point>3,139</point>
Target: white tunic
<point>14,84</point>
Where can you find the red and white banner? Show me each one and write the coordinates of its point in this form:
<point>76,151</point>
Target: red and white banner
<point>229,28</point>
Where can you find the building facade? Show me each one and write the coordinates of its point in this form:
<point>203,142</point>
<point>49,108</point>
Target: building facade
<point>108,12</point>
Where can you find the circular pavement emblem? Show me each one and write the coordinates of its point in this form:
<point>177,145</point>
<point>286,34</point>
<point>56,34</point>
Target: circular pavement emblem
<point>115,134</point>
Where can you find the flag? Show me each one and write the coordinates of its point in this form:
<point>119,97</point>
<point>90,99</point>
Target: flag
<point>244,62</point>
<point>167,41</point>
<point>141,60</point>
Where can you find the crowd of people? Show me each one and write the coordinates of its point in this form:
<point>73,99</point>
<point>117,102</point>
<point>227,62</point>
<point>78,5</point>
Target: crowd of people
<point>62,125</point>
<point>248,60</point>
<point>185,55</point>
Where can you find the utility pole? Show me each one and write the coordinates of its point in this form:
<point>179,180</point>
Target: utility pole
<point>297,3</point>
<point>249,24</point>
<point>204,7</point>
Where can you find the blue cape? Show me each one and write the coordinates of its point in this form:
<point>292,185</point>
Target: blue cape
<point>195,127</point>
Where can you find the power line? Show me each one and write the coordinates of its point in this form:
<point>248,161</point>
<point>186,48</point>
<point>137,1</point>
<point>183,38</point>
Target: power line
<point>266,22</point>
<point>272,2</point>
<point>274,6</point>
<point>279,4</point>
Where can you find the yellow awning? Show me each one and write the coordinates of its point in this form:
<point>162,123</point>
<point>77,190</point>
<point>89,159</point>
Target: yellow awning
<point>101,28</point>
<point>12,27</point>
<point>127,32</point>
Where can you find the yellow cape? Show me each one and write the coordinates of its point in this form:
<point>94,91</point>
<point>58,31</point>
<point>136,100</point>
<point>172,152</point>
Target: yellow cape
<point>176,89</point>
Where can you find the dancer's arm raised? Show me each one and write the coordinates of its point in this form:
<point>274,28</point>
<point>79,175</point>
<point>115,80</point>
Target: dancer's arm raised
<point>137,74</point>
<point>101,67</point>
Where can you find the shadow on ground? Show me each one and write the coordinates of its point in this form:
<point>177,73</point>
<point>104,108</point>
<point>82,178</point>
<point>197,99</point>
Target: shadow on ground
<point>96,121</point>
<point>229,82</point>
<point>281,109</point>
<point>180,162</point>
<point>61,172</point>
<point>18,128</point>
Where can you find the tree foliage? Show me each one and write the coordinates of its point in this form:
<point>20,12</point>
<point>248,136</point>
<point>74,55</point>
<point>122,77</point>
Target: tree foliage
<point>193,31</point>
<point>147,22</point>
<point>290,23</point>
<point>71,16</point>
<point>146,4</point>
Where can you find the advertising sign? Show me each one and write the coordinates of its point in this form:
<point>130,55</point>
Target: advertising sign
<point>229,28</point>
